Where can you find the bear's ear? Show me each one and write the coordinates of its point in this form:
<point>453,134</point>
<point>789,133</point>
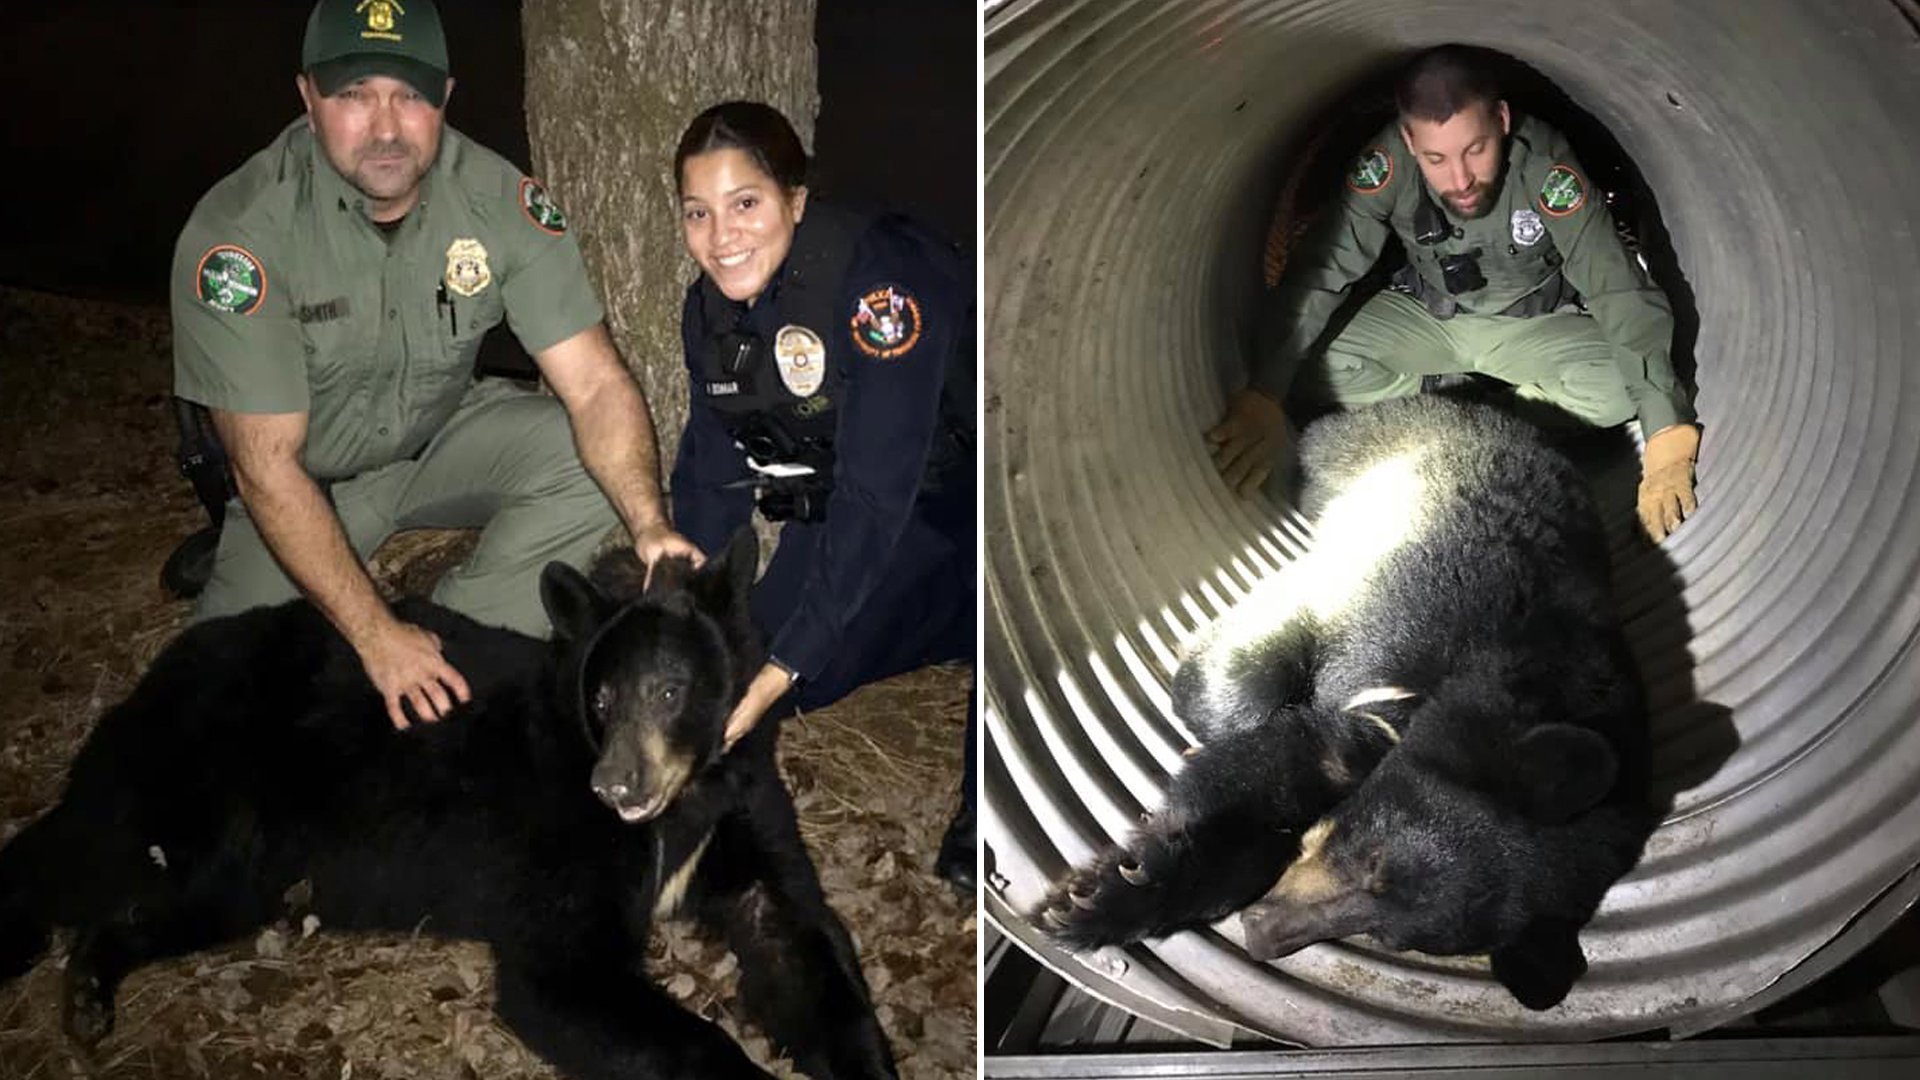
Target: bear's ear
<point>574,606</point>
<point>1563,770</point>
<point>1542,966</point>
<point>726,581</point>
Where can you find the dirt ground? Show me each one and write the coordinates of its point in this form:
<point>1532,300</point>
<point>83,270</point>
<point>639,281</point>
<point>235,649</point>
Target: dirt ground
<point>90,505</point>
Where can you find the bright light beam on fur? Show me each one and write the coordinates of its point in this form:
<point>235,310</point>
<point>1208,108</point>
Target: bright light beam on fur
<point>1382,510</point>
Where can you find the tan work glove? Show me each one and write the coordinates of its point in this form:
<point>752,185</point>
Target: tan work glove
<point>1666,479</point>
<point>1246,439</point>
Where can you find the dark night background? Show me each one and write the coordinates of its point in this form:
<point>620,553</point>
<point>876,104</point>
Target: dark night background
<point>120,116</point>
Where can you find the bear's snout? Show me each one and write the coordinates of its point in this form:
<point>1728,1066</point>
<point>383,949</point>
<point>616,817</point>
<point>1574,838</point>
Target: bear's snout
<point>639,775</point>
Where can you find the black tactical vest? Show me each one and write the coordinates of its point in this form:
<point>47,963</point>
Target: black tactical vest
<point>740,372</point>
<point>1446,260</point>
<point>780,429</point>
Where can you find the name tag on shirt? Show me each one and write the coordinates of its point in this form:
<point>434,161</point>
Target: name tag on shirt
<point>325,311</point>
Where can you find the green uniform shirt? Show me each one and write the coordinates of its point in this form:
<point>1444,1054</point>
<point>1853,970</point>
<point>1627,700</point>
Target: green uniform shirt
<point>287,298</point>
<point>1546,210</point>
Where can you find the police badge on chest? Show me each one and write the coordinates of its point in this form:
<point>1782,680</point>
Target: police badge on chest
<point>467,271</point>
<point>802,359</point>
<point>1527,227</point>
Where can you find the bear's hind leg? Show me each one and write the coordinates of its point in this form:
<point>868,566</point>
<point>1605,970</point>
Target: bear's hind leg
<point>23,938</point>
<point>153,927</point>
<point>1248,665</point>
<point>24,871</point>
<point>1231,824</point>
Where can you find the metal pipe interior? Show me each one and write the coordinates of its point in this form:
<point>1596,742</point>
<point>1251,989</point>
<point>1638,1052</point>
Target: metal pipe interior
<point>1133,151</point>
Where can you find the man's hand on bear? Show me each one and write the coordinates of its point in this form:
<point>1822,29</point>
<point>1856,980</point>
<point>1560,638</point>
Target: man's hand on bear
<point>1247,439</point>
<point>657,540</point>
<point>1666,479</point>
<point>404,663</point>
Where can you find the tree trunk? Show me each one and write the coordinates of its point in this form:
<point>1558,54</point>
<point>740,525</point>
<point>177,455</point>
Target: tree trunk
<point>611,84</point>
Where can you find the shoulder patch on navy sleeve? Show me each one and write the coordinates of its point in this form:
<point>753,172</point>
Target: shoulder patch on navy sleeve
<point>885,322</point>
<point>1372,171</point>
<point>1562,192</point>
<point>540,207</point>
<point>229,278</point>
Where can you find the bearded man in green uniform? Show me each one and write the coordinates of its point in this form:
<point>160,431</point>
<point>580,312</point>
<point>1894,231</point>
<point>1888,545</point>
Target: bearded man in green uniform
<point>1506,240</point>
<point>328,302</point>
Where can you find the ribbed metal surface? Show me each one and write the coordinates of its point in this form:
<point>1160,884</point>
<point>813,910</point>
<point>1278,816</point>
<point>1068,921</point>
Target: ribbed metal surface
<point>1131,159</point>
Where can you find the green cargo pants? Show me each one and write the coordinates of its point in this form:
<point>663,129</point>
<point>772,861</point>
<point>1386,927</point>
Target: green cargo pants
<point>1560,359</point>
<point>505,462</point>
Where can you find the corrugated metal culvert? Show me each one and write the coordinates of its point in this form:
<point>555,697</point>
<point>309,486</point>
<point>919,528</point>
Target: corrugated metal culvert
<point>1132,153</point>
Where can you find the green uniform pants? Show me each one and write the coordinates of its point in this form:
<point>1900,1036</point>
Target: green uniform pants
<point>505,462</point>
<point>1560,359</point>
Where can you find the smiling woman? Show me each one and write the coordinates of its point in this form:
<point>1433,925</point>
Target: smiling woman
<point>743,191</point>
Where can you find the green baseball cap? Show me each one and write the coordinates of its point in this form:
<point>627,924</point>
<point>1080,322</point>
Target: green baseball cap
<point>352,39</point>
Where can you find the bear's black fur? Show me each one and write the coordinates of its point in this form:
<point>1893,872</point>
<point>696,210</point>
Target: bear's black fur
<point>1429,729</point>
<point>255,754</point>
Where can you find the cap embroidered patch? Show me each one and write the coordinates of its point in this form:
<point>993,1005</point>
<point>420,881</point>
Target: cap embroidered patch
<point>230,279</point>
<point>1527,227</point>
<point>540,207</point>
<point>1372,171</point>
<point>1562,192</point>
<point>802,359</point>
<point>886,322</point>
<point>380,18</point>
<point>467,271</point>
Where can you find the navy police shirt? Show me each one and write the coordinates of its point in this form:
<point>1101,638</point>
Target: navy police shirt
<point>899,311</point>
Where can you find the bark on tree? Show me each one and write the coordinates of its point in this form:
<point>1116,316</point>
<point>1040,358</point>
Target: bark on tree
<point>611,84</point>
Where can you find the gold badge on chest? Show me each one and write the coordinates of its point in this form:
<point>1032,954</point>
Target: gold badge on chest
<point>802,359</point>
<point>467,271</point>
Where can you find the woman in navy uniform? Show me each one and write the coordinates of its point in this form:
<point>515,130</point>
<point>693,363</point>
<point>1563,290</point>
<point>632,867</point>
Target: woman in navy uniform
<point>830,355</point>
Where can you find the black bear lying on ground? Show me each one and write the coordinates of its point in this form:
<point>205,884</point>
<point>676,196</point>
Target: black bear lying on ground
<point>1428,729</point>
<point>255,754</point>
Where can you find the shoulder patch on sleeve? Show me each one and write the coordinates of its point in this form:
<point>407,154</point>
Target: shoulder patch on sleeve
<point>885,322</point>
<point>540,208</point>
<point>229,278</point>
<point>1563,191</point>
<point>1372,171</point>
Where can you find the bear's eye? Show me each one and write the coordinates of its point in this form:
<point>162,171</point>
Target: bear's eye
<point>669,693</point>
<point>602,701</point>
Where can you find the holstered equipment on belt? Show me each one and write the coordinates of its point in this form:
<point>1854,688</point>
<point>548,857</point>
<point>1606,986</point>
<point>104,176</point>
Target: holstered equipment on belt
<point>203,460</point>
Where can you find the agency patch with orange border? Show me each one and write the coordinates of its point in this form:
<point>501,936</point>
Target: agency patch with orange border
<point>1562,192</point>
<point>229,278</point>
<point>1373,171</point>
<point>540,207</point>
<point>886,322</point>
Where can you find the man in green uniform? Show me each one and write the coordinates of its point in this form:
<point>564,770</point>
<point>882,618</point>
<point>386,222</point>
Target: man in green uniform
<point>328,302</point>
<point>1505,239</point>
